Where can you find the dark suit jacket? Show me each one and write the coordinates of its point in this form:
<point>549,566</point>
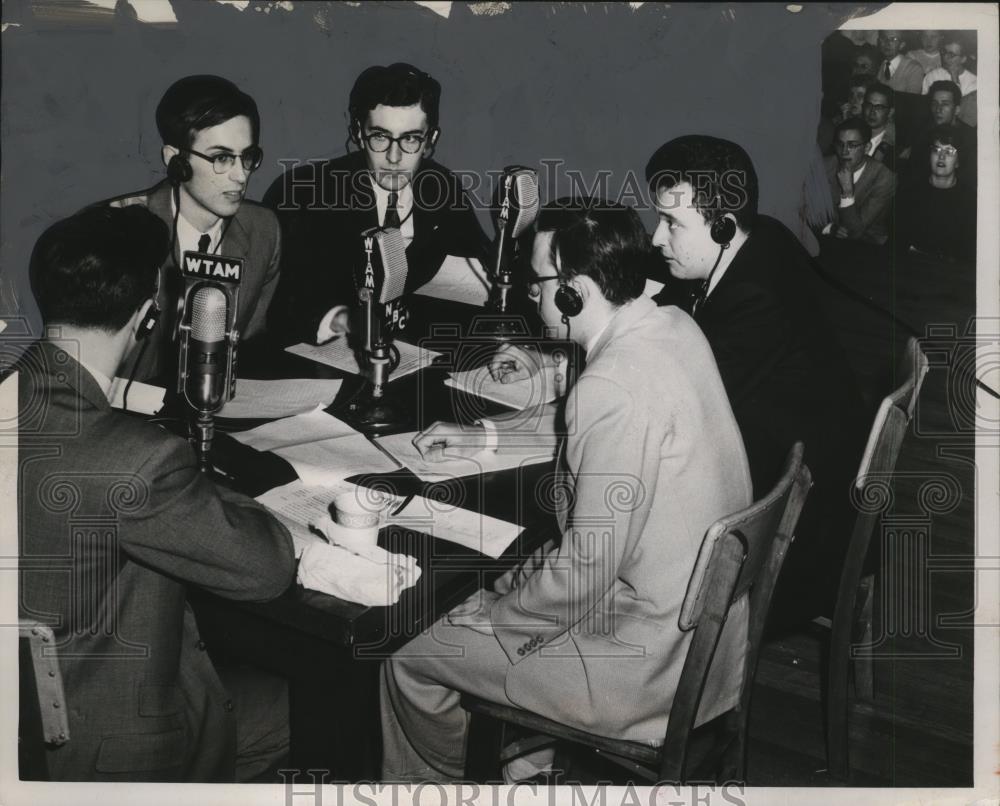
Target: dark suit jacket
<point>253,235</point>
<point>787,380</point>
<point>868,218</point>
<point>115,519</point>
<point>324,207</point>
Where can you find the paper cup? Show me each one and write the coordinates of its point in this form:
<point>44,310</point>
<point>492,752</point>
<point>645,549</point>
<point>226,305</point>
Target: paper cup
<point>360,508</point>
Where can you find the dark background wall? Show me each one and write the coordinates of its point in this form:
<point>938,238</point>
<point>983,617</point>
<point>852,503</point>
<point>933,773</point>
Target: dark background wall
<point>597,86</point>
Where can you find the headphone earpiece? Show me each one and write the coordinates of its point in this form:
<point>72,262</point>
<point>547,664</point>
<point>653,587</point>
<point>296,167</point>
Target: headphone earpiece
<point>179,170</point>
<point>723,230</point>
<point>568,300</point>
<point>148,323</point>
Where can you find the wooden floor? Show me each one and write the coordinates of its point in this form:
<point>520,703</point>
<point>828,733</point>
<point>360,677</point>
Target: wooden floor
<point>918,731</point>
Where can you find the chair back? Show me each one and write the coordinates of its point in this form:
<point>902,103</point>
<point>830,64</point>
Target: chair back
<point>740,556</point>
<point>42,710</point>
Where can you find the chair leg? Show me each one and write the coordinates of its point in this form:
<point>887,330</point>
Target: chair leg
<point>864,678</point>
<point>837,690</point>
<point>482,750</point>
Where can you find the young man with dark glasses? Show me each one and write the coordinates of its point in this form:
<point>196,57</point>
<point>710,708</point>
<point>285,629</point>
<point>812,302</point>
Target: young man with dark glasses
<point>211,146</point>
<point>389,181</point>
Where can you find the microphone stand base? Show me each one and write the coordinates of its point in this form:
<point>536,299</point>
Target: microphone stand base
<point>500,326</point>
<point>370,414</point>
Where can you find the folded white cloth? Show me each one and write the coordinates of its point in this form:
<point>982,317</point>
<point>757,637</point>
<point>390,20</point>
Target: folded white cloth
<point>353,568</point>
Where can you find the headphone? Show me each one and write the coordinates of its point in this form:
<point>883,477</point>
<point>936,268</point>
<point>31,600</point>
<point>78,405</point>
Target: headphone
<point>723,230</point>
<point>568,300</point>
<point>179,170</point>
<point>148,323</point>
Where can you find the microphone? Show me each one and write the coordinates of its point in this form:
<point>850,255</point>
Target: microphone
<point>207,358</point>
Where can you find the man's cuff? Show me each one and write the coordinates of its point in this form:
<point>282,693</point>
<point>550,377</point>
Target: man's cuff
<point>846,201</point>
<point>492,440</point>
<point>325,331</point>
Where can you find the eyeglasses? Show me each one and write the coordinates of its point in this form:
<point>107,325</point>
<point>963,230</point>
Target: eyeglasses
<point>951,53</point>
<point>534,293</point>
<point>223,162</point>
<point>380,142</point>
<point>876,107</point>
<point>948,151</point>
<point>851,145</point>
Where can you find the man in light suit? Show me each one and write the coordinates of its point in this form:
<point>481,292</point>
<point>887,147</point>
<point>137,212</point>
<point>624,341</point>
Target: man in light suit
<point>211,134</point>
<point>586,631</point>
<point>862,188</point>
<point>898,70</point>
<point>115,521</point>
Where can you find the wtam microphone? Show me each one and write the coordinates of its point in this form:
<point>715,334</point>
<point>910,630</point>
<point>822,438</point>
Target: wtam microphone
<point>380,293</point>
<point>518,199</point>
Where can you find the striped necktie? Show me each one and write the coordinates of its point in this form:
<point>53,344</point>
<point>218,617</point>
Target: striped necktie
<point>391,212</point>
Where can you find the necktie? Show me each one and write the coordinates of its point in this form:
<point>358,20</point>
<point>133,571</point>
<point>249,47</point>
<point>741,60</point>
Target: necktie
<point>886,75</point>
<point>391,213</point>
<point>204,242</point>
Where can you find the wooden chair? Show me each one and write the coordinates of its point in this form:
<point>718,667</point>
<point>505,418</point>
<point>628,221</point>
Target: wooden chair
<point>852,617</point>
<point>741,554</point>
<point>42,711</point>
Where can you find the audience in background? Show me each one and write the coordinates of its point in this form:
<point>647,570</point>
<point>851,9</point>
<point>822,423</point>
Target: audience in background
<point>944,105</point>
<point>898,70</point>
<point>954,56</point>
<point>861,187</point>
<point>866,61</point>
<point>935,208</point>
<point>928,55</point>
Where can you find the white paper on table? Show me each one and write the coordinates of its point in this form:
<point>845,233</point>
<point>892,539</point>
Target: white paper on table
<point>281,398</point>
<point>339,355</point>
<point>459,279</point>
<point>312,426</point>
<point>402,450</point>
<point>143,398</point>
<point>534,391</point>
<point>297,505</point>
<point>482,533</point>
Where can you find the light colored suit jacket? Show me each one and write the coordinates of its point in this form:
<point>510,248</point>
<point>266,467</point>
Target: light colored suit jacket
<point>252,235</point>
<point>115,520</point>
<point>652,458</point>
<point>908,77</point>
<point>868,218</point>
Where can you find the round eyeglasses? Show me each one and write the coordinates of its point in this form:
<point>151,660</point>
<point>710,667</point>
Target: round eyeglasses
<point>224,161</point>
<point>380,142</point>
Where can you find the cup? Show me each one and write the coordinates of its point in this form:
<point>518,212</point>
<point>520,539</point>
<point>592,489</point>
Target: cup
<point>360,508</point>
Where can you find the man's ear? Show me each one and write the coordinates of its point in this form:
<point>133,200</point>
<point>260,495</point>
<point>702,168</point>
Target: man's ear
<point>167,153</point>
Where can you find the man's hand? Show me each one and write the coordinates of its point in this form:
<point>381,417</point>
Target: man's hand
<point>840,232</point>
<point>845,177</point>
<point>510,363</point>
<point>474,612</point>
<point>341,324</point>
<point>446,440</point>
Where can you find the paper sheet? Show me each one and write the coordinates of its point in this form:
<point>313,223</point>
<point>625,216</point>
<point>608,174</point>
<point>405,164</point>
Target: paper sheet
<point>339,355</point>
<point>143,398</point>
<point>459,279</point>
<point>541,388</point>
<point>321,449</point>
<point>282,398</point>
<point>489,536</point>
<point>402,450</point>
<point>297,505</point>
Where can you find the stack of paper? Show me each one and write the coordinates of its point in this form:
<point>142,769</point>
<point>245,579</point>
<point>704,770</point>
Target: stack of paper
<point>534,391</point>
<point>322,449</point>
<point>282,398</point>
<point>460,280</point>
<point>339,355</point>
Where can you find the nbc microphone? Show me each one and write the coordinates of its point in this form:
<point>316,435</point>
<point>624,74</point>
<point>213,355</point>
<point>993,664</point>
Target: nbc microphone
<point>518,198</point>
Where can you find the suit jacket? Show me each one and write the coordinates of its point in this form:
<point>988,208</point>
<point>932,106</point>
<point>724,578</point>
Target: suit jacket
<point>652,458</point>
<point>788,380</point>
<point>324,207</point>
<point>253,235</point>
<point>868,218</point>
<point>115,519</point>
<point>909,76</point>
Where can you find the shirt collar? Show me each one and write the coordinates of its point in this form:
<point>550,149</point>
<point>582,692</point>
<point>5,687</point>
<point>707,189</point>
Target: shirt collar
<point>875,141</point>
<point>188,235</point>
<point>99,377</point>
<point>861,170</point>
<point>894,62</point>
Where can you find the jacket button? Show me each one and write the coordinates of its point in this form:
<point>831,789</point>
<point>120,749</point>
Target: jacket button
<point>200,645</point>
<point>520,650</point>
<point>228,705</point>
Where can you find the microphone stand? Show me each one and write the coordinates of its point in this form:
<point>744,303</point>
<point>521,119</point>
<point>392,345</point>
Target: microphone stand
<point>203,431</point>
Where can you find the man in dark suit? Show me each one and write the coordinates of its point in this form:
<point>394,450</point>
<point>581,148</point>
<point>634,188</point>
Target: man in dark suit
<point>325,206</point>
<point>785,374</point>
<point>211,134</point>
<point>862,188</point>
<point>115,520</point>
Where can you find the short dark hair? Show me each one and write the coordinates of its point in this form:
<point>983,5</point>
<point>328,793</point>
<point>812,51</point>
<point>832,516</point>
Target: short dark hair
<point>882,89</point>
<point>861,80</point>
<point>398,84</point>
<point>870,51</point>
<point>96,268</point>
<point>946,136</point>
<point>719,171</point>
<point>603,240</point>
<point>854,124</point>
<point>946,86</point>
<point>198,102</point>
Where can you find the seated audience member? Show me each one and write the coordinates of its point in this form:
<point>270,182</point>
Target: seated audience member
<point>857,89</point>
<point>928,55</point>
<point>954,57</point>
<point>936,211</point>
<point>866,61</point>
<point>944,104</point>
<point>862,188</point>
<point>144,701</point>
<point>878,113</point>
<point>391,181</point>
<point>211,136</point>
<point>586,631</point>
<point>898,71</point>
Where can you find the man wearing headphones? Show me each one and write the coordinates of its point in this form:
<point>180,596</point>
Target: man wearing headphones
<point>211,134</point>
<point>586,631</point>
<point>784,370</point>
<point>390,181</point>
<point>116,519</point>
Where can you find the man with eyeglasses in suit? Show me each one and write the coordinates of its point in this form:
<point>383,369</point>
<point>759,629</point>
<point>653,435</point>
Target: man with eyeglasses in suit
<point>211,134</point>
<point>324,206</point>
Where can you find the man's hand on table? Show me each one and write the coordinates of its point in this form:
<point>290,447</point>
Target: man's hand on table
<point>510,363</point>
<point>474,612</point>
<point>447,440</point>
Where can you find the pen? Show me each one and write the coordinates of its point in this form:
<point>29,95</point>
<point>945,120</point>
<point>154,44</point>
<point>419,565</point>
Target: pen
<point>401,507</point>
